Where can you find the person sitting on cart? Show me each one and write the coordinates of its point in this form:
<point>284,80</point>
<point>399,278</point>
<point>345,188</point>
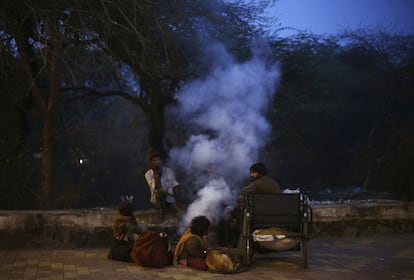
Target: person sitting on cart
<point>261,183</point>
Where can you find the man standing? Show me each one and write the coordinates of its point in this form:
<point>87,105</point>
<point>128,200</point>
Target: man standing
<point>162,183</point>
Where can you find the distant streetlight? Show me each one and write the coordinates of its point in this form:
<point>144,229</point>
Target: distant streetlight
<point>83,161</point>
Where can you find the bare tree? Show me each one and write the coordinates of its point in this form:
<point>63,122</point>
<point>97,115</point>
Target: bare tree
<point>158,41</point>
<point>41,32</point>
<point>162,42</point>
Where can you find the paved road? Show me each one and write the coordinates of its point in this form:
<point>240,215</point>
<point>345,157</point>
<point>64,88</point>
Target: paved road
<point>372,257</point>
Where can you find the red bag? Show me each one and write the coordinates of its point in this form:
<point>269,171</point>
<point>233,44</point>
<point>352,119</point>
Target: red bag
<point>151,250</point>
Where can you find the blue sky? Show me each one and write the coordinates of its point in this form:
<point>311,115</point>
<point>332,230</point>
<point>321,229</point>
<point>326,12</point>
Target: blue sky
<point>329,16</point>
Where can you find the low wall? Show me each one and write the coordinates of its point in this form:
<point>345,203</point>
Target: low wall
<point>362,218</point>
<point>92,227</point>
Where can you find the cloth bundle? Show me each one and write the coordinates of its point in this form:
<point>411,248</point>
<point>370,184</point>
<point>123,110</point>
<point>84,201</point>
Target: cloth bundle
<point>274,239</point>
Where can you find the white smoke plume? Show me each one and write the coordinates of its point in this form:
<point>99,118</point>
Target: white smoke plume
<point>206,202</point>
<point>227,110</point>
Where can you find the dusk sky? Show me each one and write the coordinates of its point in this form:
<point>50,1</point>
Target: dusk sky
<point>329,16</point>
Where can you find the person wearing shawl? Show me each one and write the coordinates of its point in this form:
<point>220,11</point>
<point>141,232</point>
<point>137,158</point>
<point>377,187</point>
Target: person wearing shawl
<point>191,249</point>
<point>125,225</point>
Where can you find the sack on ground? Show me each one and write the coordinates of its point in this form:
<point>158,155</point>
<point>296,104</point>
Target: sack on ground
<point>152,249</point>
<point>120,250</point>
<point>224,260</point>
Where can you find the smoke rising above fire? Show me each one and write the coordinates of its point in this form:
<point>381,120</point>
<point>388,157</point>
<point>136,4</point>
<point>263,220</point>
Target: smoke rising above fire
<point>225,112</point>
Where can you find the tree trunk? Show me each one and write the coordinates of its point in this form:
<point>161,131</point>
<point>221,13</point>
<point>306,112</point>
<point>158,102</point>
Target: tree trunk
<point>46,104</point>
<point>49,129</point>
<point>157,128</point>
<point>47,163</point>
<point>371,152</point>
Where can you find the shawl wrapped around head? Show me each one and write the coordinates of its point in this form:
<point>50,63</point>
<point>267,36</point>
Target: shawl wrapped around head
<point>180,245</point>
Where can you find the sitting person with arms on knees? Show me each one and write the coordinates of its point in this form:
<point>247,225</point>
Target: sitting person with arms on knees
<point>125,225</point>
<point>191,249</point>
<point>162,184</point>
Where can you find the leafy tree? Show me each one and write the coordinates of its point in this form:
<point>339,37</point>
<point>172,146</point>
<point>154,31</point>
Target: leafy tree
<point>340,115</point>
<point>309,105</point>
<point>386,60</point>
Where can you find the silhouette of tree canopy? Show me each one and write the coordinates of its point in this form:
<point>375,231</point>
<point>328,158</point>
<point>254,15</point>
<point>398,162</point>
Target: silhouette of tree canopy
<point>341,113</point>
<point>79,76</point>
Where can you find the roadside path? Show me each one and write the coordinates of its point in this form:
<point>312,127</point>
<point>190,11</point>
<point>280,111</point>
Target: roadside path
<point>370,257</point>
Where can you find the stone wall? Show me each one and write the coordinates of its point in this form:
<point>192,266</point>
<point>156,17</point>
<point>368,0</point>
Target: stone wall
<point>92,227</point>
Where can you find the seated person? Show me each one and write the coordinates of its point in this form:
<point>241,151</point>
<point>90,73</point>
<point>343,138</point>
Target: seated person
<point>164,188</point>
<point>125,225</point>
<point>191,249</point>
<point>261,183</point>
